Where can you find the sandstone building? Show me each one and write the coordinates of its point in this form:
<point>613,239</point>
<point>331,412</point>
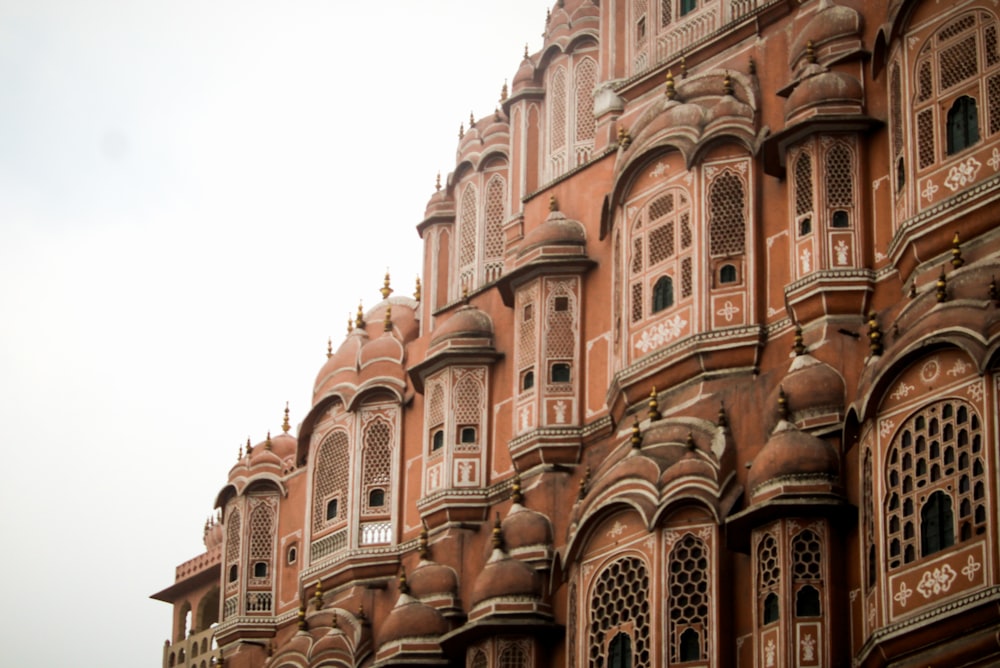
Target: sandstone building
<point>703,370</point>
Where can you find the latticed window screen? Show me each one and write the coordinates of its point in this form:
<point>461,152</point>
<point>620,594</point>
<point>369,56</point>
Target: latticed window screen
<point>377,462</point>
<point>839,176</point>
<point>665,12</point>
<point>925,137</point>
<point>868,512</point>
<point>493,244</point>
<point>938,448</point>
<point>435,410</point>
<point>560,339</point>
<point>896,111</point>
<point>330,478</point>
<point>958,63</point>
<point>660,238</point>
<point>478,660</point>
<point>233,538</point>
<point>689,593</point>
<point>468,400</point>
<point>768,569</point>
<point>467,233</point>
<point>803,184</point>
<point>727,214</point>
<point>620,596</point>
<point>527,344</point>
<point>262,535</point>
<point>586,78</point>
<point>512,656</point>
<point>557,110</point>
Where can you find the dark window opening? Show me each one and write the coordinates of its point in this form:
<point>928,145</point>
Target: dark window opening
<point>529,311</point>
<point>727,274</point>
<point>560,372</point>
<point>840,219</point>
<point>771,611</point>
<point>376,498</point>
<point>690,649</point>
<point>688,6</point>
<point>620,652</point>
<point>232,573</point>
<point>293,555</point>
<point>260,569</point>
<point>937,525</point>
<point>437,440</point>
<point>900,175</point>
<point>332,506</point>
<point>805,226</point>
<point>807,602</point>
<point>468,435</point>
<point>663,294</point>
<point>561,304</point>
<point>963,124</point>
<point>528,380</point>
<point>640,30</point>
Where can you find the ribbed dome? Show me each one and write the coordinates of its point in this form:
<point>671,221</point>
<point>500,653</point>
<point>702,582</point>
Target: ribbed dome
<point>829,23</point>
<point>557,230</point>
<point>467,322</point>
<point>791,452</point>
<point>412,619</point>
<point>684,115</point>
<point>691,464</point>
<point>505,576</point>
<point>430,578</point>
<point>213,535</point>
<point>385,348</point>
<point>525,76</point>
<point>810,385</point>
<point>825,89</point>
<point>524,527</point>
<point>340,366</point>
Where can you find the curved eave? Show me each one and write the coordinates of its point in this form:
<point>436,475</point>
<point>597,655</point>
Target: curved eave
<point>458,355</point>
<point>559,264</point>
<point>831,506</point>
<point>776,146</point>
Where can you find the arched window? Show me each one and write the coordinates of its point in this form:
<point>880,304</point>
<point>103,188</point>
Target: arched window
<point>560,373</point>
<point>260,569</point>
<point>771,608</point>
<point>688,6</point>
<point>292,555</point>
<point>331,509</point>
<point>479,660</point>
<point>689,598</point>
<point>377,465</point>
<point>768,578</point>
<point>437,440</point>
<point>690,646</point>
<point>233,573</point>
<point>620,595</point>
<point>663,294</point>
<point>620,651</point>
<point>330,478</point>
<point>727,274</point>
<point>807,602</point>
<point>937,524</point>
<point>376,498</point>
<point>528,380</point>
<point>513,656</point>
<point>467,435</point>
<point>963,124</point>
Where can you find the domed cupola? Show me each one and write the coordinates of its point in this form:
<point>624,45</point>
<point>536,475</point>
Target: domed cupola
<point>524,79</point>
<point>440,206</point>
<point>409,635</point>
<point>527,533</point>
<point>814,391</point>
<point>466,336</point>
<point>433,583</point>
<point>792,462</point>
<point>213,534</point>
<point>506,586</point>
<point>825,93</point>
<point>339,373</point>
<point>831,34</point>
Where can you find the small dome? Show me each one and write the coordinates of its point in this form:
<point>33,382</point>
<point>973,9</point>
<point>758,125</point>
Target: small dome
<point>385,348</point>
<point>810,385</point>
<point>524,527</point>
<point>832,22</point>
<point>525,77</point>
<point>505,576</point>
<point>828,89</point>
<point>791,452</point>
<point>467,322</point>
<point>412,619</point>
<point>213,535</point>
<point>557,230</point>
<point>440,206</point>
<point>341,364</point>
<point>688,465</point>
<point>684,115</point>
<point>430,578</point>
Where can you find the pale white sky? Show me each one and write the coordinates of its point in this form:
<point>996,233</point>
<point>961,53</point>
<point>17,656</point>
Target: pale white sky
<point>194,194</point>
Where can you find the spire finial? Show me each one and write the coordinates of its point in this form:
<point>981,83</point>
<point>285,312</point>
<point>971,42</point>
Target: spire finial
<point>723,420</point>
<point>302,618</point>
<point>329,341</point>
<point>636,438</point>
<point>361,613</point>
<point>404,586</point>
<point>416,290</point>
<point>240,455</point>
<point>553,203</point>
<point>461,130</point>
<point>350,323</point>
<point>782,404</point>
<point>654,406</point>
<point>810,52</point>
<point>515,489</point>
<point>359,320</point>
<point>267,441</point>
<point>385,289</point>
<point>286,425</point>
<point>941,287</point>
<point>525,49</point>
<point>503,92</point>
<point>874,334</point>
<point>584,482</point>
<point>752,67</point>
<point>472,120</point>
<point>437,182</point>
<point>684,67</point>
<point>799,347</point>
<point>956,253</point>
<point>727,84</point>
<point>422,550</point>
<point>249,447</point>
<point>465,293</point>
<point>690,441</point>
<point>670,91</point>
<point>387,322</point>
<point>318,595</point>
<point>497,535</point>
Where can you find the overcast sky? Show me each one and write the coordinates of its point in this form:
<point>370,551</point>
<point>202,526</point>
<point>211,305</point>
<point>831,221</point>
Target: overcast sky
<point>194,195</point>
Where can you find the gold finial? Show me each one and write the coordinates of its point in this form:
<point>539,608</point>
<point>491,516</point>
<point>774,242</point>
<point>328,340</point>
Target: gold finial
<point>525,49</point>
<point>285,425</point>
<point>437,182</point>
<point>636,438</point>
<point>941,285</point>
<point>361,613</point>
<point>329,341</point>
<point>497,536</point>
<point>465,293</point>
<point>624,139</point>
<point>472,121</point>
<point>553,204</point>
<point>956,253</point>
<point>799,347</point>
<point>404,586</point>
<point>359,320</point>
<point>684,67</point>
<point>670,92</point>
<point>387,322</point>
<point>690,442</point>
<point>503,91</point>
<point>385,289</point>
<point>267,441</point>
<point>752,67</point>
<point>249,447</point>
<point>461,130</point>
<point>416,290</point>
<point>548,15</point>
<point>723,420</point>
<point>727,84</point>
<point>874,334</point>
<point>654,406</point>
<point>350,323</point>
<point>318,596</point>
<point>334,624</point>
<point>810,52</point>
<point>515,489</point>
<point>302,618</point>
<point>496,113</point>
<point>992,292</point>
<point>422,550</point>
<point>584,482</point>
<point>240,455</point>
<point>913,289</point>
<point>782,404</point>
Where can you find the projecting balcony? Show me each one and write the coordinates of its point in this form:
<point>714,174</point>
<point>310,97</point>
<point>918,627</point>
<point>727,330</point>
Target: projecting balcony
<point>198,650</point>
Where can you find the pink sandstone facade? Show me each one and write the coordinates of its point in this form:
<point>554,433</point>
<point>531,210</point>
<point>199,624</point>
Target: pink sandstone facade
<point>703,370</point>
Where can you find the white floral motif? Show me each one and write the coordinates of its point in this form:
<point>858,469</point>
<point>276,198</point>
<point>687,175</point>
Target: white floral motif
<point>962,174</point>
<point>959,367</point>
<point>525,415</point>
<point>929,189</point>
<point>903,594</point>
<point>971,567</point>
<point>560,409</point>
<point>903,391</point>
<point>617,530</point>
<point>871,614</point>
<point>975,391</point>
<point>769,651</point>
<point>886,427</point>
<point>728,311</point>
<point>936,581</point>
<point>659,170</point>
<point>662,333</point>
<point>841,250</point>
<point>806,264</point>
<point>994,160</point>
<point>879,256</point>
<point>808,644</point>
